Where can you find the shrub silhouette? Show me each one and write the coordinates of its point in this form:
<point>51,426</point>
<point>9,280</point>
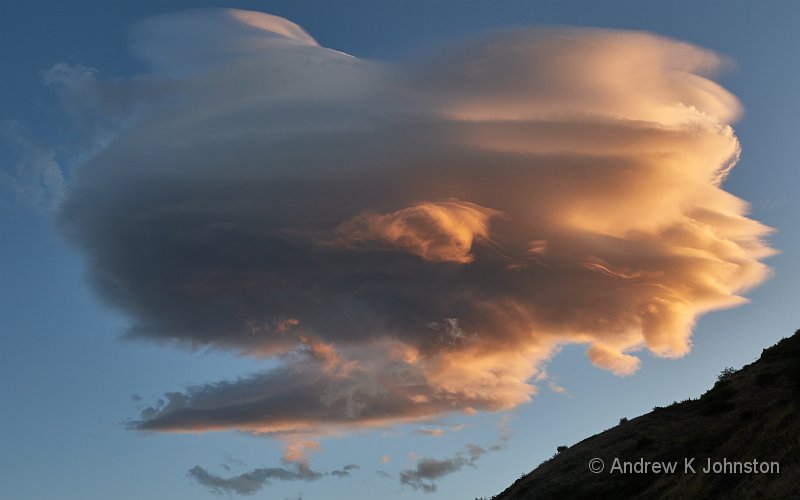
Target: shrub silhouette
<point>725,374</point>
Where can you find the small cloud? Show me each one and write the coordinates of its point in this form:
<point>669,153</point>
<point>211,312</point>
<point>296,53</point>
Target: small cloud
<point>428,470</point>
<point>438,431</point>
<point>428,431</point>
<point>252,481</point>
<point>344,471</point>
<point>232,463</point>
<point>296,450</point>
<point>505,433</point>
<point>34,178</point>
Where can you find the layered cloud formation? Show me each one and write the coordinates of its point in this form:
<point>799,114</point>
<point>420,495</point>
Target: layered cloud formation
<point>406,239</point>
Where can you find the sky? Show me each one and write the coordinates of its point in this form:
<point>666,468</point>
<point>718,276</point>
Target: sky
<point>340,250</point>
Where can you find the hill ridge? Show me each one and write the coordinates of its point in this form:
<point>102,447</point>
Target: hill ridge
<point>750,416</point>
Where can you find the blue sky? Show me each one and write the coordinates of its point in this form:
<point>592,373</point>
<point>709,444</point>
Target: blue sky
<point>69,380</point>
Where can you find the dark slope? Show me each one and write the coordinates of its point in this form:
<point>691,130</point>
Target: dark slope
<point>753,413</point>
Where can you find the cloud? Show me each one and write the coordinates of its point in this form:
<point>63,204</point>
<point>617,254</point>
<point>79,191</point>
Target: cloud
<point>553,386</point>
<point>296,450</point>
<point>34,178</point>
<point>428,470</point>
<point>438,431</point>
<point>409,239</point>
<point>301,397</point>
<point>430,431</point>
<point>344,471</point>
<point>231,463</point>
<point>439,232</point>
<point>252,481</point>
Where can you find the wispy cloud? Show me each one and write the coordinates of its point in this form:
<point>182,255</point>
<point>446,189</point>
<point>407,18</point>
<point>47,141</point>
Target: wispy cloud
<point>430,431</point>
<point>254,480</point>
<point>428,470</point>
<point>32,178</point>
<point>438,431</point>
<point>344,471</point>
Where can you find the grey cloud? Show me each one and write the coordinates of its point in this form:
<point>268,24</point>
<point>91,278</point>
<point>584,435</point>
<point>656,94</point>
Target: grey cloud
<point>428,470</point>
<point>303,394</point>
<point>344,471</point>
<point>254,480</point>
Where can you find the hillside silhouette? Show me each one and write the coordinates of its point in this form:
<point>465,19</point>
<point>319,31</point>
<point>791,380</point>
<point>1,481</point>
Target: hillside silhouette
<point>750,414</point>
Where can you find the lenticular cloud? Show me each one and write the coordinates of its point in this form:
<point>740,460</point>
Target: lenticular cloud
<point>406,239</point>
